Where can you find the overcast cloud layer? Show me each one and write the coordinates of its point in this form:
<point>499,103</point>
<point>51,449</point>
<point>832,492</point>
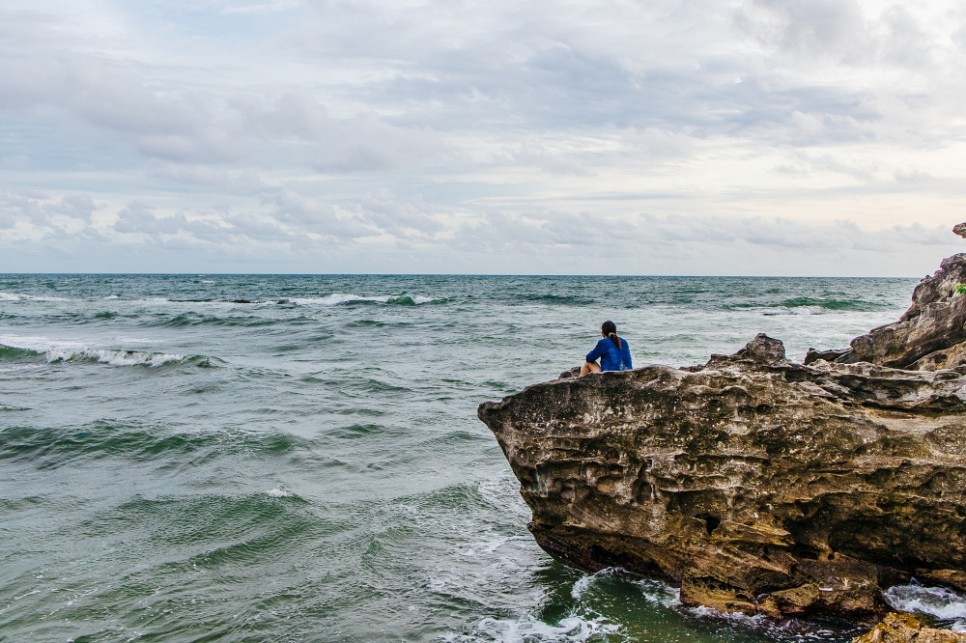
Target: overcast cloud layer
<point>621,137</point>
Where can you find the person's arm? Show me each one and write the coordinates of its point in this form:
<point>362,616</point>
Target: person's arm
<point>595,354</point>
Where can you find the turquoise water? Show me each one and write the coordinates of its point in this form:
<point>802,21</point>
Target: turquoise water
<point>308,466</point>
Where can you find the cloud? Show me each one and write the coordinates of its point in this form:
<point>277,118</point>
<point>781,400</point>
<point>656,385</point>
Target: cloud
<point>560,137</point>
<point>38,213</point>
<point>828,28</point>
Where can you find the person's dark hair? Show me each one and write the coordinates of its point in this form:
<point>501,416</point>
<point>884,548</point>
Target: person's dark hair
<point>609,329</point>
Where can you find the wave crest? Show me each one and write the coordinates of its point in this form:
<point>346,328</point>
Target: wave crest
<point>346,299</point>
<point>829,304</point>
<point>54,447</point>
<point>26,348</point>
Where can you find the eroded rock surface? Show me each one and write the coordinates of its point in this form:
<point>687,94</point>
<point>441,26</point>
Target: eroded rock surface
<point>905,628</point>
<point>931,335</point>
<point>758,484</point>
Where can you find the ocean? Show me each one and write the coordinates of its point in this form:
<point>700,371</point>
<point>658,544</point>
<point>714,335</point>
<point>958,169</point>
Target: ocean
<point>298,458</point>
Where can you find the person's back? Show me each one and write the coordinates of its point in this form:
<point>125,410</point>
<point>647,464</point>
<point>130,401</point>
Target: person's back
<point>611,357</point>
<point>613,352</point>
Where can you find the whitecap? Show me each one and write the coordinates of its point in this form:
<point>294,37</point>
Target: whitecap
<point>13,296</point>
<point>337,299</point>
<point>130,358</point>
<point>332,300</point>
<point>55,350</point>
<point>278,492</point>
<point>43,345</point>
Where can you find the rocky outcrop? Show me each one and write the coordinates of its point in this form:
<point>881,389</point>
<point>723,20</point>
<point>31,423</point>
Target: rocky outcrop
<point>931,335</point>
<point>757,484</point>
<point>906,628</point>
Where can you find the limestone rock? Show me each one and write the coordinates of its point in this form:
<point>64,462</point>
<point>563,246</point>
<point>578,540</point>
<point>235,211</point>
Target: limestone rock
<point>756,484</point>
<point>930,335</point>
<point>960,229</point>
<point>763,349</point>
<point>829,355</point>
<point>906,628</point>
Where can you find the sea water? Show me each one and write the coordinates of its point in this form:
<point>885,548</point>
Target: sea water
<point>298,458</point>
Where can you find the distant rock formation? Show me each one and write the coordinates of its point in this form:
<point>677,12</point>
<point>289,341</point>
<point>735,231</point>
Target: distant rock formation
<point>931,335</point>
<point>757,484</point>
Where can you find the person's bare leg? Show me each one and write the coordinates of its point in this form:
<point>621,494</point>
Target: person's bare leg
<point>588,368</point>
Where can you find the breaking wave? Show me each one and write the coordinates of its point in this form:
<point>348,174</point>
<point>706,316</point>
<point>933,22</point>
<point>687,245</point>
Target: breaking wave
<point>27,348</point>
<point>341,299</point>
<point>14,296</point>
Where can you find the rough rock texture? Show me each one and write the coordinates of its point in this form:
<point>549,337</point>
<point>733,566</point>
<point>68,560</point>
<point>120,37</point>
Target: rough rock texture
<point>757,484</point>
<point>928,336</point>
<point>905,628</point>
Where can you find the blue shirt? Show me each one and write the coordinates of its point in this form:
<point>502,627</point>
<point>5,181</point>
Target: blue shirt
<point>611,358</point>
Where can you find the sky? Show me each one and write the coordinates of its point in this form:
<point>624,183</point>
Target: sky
<point>736,137</point>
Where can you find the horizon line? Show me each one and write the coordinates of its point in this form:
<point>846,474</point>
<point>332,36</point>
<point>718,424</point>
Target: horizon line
<point>451,274</point>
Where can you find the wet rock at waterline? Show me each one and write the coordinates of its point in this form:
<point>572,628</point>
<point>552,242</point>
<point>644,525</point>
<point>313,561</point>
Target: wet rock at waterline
<point>906,628</point>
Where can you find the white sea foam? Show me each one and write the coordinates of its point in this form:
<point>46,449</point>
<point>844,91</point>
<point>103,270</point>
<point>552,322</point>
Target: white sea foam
<point>278,493</point>
<point>653,591</point>
<point>337,299</point>
<point>937,602</point>
<point>69,350</point>
<point>659,593</point>
<point>503,492</point>
<point>129,358</point>
<point>585,583</point>
<point>574,628</point>
<point>14,296</point>
<point>784,630</point>
<point>483,549</point>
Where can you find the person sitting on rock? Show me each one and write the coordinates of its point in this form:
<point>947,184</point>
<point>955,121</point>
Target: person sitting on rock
<point>613,352</point>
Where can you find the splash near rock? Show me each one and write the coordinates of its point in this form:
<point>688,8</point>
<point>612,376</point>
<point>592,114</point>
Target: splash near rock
<point>905,628</point>
<point>758,484</point>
